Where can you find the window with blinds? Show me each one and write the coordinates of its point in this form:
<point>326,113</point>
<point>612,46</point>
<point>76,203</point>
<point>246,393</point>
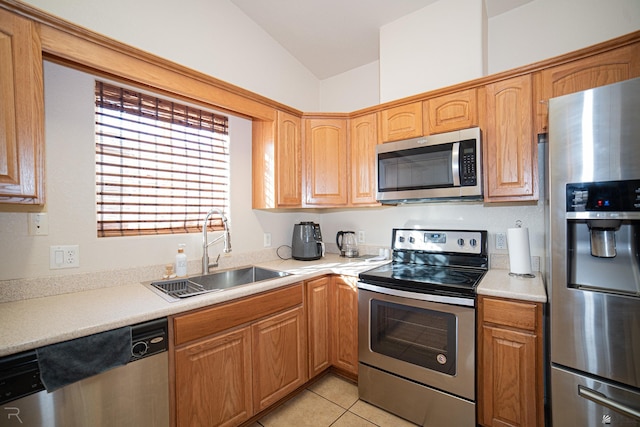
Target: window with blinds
<point>160,166</point>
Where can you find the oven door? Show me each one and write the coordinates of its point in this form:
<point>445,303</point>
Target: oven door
<point>428,342</point>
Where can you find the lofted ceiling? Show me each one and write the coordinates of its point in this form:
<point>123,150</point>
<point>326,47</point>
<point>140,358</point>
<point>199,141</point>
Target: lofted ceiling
<point>330,37</point>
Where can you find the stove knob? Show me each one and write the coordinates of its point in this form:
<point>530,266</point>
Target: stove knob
<point>412,240</point>
<point>460,242</point>
<point>473,243</point>
<point>401,239</point>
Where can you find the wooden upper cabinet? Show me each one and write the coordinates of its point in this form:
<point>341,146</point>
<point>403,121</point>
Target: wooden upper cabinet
<point>289,160</point>
<point>450,112</point>
<point>363,138</point>
<point>277,162</point>
<point>402,122</point>
<point>21,112</point>
<point>594,71</point>
<point>510,149</point>
<point>326,168</point>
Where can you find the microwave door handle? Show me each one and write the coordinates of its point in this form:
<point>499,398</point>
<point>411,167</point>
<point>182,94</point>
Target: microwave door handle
<point>455,163</point>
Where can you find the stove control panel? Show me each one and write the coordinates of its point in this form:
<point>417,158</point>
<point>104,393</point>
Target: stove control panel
<point>464,242</point>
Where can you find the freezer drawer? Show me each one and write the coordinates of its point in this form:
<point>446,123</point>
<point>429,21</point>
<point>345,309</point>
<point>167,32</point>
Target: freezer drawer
<point>584,401</point>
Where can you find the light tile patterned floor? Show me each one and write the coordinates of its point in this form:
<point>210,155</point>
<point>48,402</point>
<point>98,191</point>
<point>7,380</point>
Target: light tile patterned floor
<point>331,401</point>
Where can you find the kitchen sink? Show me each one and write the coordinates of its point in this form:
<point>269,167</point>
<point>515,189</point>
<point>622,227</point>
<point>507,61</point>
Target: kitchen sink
<point>218,281</point>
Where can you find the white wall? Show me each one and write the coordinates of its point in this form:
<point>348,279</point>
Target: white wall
<point>546,28</point>
<point>538,30</point>
<point>437,46</point>
<point>337,93</point>
<point>213,36</point>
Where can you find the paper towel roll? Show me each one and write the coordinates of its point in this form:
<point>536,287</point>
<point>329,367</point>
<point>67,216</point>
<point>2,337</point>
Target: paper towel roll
<point>519,252</point>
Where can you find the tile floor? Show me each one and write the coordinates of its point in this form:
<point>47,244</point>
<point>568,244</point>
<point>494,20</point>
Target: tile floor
<point>331,401</point>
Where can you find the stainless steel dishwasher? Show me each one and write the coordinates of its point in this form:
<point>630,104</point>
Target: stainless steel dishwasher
<point>135,394</point>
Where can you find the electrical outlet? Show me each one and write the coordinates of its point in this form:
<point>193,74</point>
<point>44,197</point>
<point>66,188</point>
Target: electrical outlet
<point>361,236</point>
<point>267,240</point>
<point>501,241</point>
<point>64,257</point>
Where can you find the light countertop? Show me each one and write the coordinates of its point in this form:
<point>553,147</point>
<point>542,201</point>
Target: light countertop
<point>499,283</point>
<point>36,322</point>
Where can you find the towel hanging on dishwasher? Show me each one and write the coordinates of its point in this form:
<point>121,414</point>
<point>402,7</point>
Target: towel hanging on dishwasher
<point>70,361</point>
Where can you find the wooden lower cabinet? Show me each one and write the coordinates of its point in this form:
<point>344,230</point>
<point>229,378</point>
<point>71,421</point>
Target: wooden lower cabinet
<point>279,357</point>
<point>318,324</point>
<point>232,360</point>
<point>332,306</point>
<point>344,353</point>
<point>510,363</point>
<point>213,381</point>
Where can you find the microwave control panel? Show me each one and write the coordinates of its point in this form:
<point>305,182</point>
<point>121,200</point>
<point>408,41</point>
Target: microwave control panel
<point>468,171</point>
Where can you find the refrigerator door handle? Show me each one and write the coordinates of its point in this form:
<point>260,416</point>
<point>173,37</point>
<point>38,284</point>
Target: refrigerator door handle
<point>603,400</point>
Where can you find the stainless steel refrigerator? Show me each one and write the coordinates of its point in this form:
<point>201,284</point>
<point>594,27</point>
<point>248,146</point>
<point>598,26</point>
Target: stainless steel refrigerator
<point>594,271</point>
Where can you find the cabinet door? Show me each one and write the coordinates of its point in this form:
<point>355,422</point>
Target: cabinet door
<point>345,324</point>
<point>279,357</point>
<point>598,70</point>
<point>21,112</point>
<point>326,162</point>
<point>363,138</point>
<point>318,303</point>
<point>451,112</point>
<point>289,160</point>
<point>509,378</point>
<point>510,150</point>
<point>402,122</point>
<point>213,381</point>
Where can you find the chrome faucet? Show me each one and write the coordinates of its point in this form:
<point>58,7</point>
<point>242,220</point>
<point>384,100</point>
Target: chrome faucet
<point>205,245</point>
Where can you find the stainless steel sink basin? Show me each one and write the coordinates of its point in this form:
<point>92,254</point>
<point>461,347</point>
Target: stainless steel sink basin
<point>218,281</point>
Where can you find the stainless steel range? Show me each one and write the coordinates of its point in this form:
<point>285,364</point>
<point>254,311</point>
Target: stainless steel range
<point>416,326</point>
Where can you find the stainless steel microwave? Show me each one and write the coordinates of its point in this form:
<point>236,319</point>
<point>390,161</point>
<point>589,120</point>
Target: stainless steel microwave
<point>445,166</point>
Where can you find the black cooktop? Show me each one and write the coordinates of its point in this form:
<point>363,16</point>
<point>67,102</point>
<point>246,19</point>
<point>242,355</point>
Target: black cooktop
<point>427,261</point>
<point>428,279</point>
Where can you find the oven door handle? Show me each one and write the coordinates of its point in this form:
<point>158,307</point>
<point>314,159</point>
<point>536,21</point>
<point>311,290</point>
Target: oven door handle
<point>467,302</point>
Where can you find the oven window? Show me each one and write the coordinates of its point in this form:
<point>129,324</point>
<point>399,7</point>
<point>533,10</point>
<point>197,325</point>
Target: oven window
<point>419,336</point>
<point>416,168</point>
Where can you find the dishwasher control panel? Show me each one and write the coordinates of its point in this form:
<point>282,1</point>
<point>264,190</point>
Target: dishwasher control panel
<point>148,338</point>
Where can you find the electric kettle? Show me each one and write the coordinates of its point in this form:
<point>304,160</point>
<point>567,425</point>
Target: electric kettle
<point>306,244</point>
<point>347,244</point>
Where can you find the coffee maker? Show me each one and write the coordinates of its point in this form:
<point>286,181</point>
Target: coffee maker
<point>306,243</point>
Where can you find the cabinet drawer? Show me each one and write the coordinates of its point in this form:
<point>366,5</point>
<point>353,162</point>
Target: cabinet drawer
<point>521,315</point>
<point>227,315</point>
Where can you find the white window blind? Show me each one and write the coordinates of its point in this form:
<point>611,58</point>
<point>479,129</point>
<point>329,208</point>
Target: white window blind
<point>160,166</point>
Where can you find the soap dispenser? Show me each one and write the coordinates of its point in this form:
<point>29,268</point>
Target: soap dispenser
<point>181,261</point>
